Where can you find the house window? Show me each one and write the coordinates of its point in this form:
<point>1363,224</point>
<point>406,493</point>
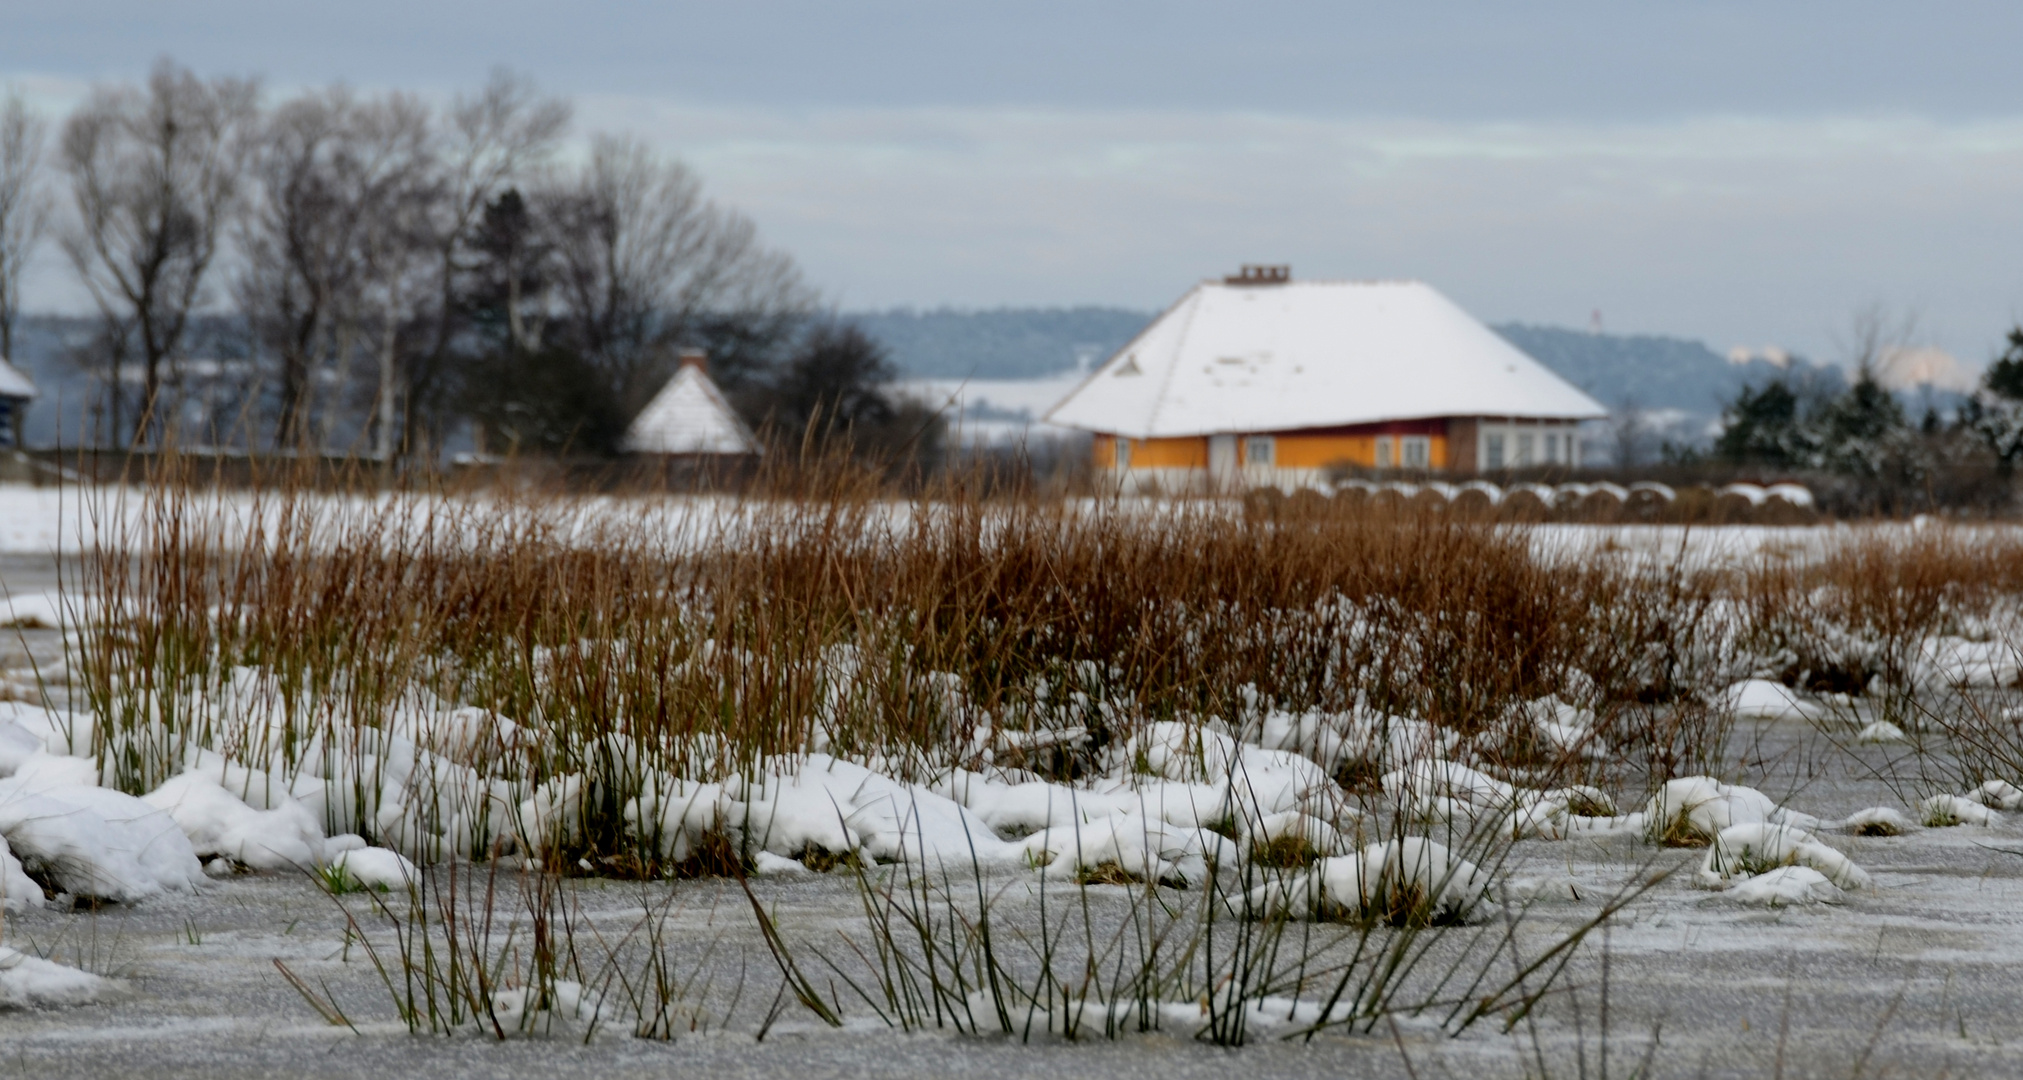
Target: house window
<point>1527,449</point>
<point>1418,452</point>
<point>1383,451</point>
<point>1123,453</point>
<point>1492,451</point>
<point>1551,448</point>
<point>1260,450</point>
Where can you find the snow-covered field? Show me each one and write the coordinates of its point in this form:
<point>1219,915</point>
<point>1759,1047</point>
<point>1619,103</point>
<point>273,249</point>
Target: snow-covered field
<point>217,873</point>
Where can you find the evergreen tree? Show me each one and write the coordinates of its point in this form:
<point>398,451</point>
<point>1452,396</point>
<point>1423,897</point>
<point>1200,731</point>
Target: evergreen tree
<point>1760,426</point>
<point>1861,431</point>
<point>1996,413</point>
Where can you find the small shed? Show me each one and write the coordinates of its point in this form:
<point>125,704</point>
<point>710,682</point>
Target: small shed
<point>690,417</point>
<point>16,391</point>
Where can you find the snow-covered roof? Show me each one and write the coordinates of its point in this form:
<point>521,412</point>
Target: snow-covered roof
<point>1311,354</point>
<point>690,416</point>
<point>14,383</point>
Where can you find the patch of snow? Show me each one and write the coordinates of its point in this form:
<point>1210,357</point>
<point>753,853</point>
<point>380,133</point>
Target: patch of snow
<point>1763,699</point>
<point>220,823</point>
<point>1878,821</point>
<point>1944,811</point>
<point>32,982</point>
<point>1881,731</point>
<point>1381,880</point>
<point>374,868</point>
<point>1786,886</point>
<point>1744,851</point>
<point>96,842</point>
<point>1696,809</point>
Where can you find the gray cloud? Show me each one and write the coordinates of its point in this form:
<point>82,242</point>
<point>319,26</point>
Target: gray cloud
<point>1743,173</point>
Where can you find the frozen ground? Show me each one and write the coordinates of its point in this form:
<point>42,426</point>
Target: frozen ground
<point>1914,973</point>
<point>1920,972</point>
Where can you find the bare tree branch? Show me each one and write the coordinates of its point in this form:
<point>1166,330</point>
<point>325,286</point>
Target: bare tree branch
<point>24,206</point>
<point>155,177</point>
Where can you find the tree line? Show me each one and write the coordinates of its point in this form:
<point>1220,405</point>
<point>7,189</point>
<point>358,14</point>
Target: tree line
<point>1860,438</point>
<point>347,272</point>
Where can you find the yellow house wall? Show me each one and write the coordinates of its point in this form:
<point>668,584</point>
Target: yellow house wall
<point>1293,451</point>
<point>1180,453</point>
<point>1320,451</point>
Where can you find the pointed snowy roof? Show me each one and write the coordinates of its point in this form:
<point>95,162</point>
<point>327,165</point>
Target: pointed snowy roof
<point>14,383</point>
<point>1310,354</point>
<point>690,416</point>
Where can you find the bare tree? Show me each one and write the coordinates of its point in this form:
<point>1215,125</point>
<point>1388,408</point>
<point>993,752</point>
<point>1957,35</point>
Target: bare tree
<point>332,171</point>
<point>1629,433</point>
<point>644,256</point>
<point>1876,339</point>
<point>155,176</point>
<point>488,141</point>
<point>24,207</point>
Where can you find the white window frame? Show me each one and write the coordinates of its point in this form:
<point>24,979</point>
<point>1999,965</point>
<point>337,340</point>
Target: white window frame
<point>1416,451</point>
<point>1384,458</point>
<point>1252,446</point>
<point>1551,447</point>
<point>1121,452</point>
<point>1527,449</point>
<point>1493,455</point>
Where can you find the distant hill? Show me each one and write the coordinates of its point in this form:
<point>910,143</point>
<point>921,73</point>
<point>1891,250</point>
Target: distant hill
<point>1653,371</point>
<point>1000,343</point>
<point>1677,376</point>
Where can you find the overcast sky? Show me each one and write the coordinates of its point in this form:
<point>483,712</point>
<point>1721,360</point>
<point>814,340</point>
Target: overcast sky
<point>1747,174</point>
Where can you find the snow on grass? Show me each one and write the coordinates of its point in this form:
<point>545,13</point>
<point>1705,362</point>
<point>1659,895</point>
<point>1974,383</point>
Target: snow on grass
<point>1408,881</point>
<point>1878,821</point>
<point>1744,851</point>
<point>369,868</point>
<point>1695,810</point>
<point>1945,811</point>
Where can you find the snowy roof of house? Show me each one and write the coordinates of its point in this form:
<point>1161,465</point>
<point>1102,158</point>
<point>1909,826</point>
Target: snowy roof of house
<point>1312,354</point>
<point>14,383</point>
<point>690,416</point>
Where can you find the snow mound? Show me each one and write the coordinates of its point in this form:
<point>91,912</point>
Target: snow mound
<point>1742,852</point>
<point>218,823</point>
<point>1409,880</point>
<point>1945,811</point>
<point>31,982</point>
<point>96,842</point>
<point>1293,827</point>
<point>1141,848</point>
<point>1786,886</point>
<point>1878,821</point>
<point>373,868</point>
<point>1693,810</point>
<point>1998,795</point>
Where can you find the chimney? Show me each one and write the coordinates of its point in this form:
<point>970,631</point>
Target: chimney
<point>1260,274</point>
<point>695,358</point>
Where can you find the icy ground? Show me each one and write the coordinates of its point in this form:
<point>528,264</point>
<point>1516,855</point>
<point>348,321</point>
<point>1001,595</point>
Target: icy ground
<point>1910,966</point>
<point>1922,962</point>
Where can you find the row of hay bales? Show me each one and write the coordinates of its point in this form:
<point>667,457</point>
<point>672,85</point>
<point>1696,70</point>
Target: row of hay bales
<point>1645,501</point>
